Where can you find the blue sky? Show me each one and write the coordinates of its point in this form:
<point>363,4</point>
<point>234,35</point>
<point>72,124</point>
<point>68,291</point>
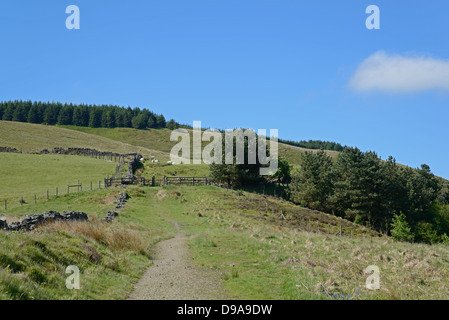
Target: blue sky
<point>303,67</point>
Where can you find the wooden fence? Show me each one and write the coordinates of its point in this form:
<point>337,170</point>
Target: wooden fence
<point>187,180</point>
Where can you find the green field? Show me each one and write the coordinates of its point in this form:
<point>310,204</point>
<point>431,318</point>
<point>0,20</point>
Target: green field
<point>159,139</point>
<point>240,235</point>
<point>256,255</point>
<point>26,175</point>
<point>35,137</point>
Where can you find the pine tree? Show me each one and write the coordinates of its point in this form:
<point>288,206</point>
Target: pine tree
<point>33,114</point>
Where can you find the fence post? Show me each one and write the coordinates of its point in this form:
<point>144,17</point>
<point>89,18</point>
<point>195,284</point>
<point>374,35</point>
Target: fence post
<point>318,226</point>
<point>152,181</point>
<point>310,225</point>
<point>99,185</point>
<point>48,195</point>
<point>340,230</point>
<point>91,186</point>
<point>78,186</point>
<point>35,199</point>
<point>328,228</point>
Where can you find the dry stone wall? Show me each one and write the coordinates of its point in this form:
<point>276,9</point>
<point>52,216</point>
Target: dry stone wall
<point>31,222</point>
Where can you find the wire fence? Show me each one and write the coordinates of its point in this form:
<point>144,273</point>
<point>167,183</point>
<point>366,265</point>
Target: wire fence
<point>46,195</point>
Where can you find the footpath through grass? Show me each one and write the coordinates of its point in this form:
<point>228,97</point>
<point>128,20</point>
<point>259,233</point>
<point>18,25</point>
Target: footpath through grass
<point>257,255</point>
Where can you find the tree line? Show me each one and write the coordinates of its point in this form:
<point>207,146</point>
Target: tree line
<point>103,116</point>
<point>404,202</point>
<point>314,144</point>
<point>381,194</point>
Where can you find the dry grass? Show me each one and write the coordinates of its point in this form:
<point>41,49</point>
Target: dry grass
<point>113,235</point>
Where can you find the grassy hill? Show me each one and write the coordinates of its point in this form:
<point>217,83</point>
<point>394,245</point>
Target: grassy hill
<point>159,139</point>
<point>26,175</point>
<point>34,137</point>
<point>257,255</point>
<point>242,236</point>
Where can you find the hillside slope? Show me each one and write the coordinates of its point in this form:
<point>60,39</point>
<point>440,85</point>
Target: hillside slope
<point>159,139</point>
<point>34,137</point>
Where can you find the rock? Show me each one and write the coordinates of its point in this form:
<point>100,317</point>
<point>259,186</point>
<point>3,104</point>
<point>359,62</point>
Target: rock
<point>15,226</point>
<point>112,214</point>
<point>3,224</point>
<point>73,215</point>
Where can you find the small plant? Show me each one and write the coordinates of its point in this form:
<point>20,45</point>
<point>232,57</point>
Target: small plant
<point>400,229</point>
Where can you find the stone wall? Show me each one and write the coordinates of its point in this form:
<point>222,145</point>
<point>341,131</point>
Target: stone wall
<point>9,149</point>
<point>30,222</point>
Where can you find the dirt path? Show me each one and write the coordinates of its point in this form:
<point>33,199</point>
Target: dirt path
<point>175,275</point>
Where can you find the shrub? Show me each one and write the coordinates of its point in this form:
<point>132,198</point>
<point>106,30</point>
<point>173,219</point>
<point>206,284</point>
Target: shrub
<point>400,229</point>
<point>425,233</point>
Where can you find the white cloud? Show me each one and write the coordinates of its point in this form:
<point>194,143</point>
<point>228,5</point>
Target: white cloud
<point>400,74</point>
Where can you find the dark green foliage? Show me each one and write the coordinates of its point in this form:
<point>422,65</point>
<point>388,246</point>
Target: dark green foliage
<point>95,118</point>
<point>312,184</point>
<point>237,174</point>
<point>314,144</point>
<point>106,116</point>
<point>139,121</point>
<point>160,121</point>
<point>172,125</point>
<point>361,187</point>
<point>424,232</point>
<point>283,174</point>
<point>34,115</point>
<point>65,116</point>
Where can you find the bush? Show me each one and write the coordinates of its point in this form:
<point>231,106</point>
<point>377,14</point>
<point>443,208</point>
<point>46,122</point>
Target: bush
<point>400,229</point>
<point>425,233</point>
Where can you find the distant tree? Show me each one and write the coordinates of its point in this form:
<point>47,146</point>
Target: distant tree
<point>151,121</point>
<point>50,114</point>
<point>357,183</point>
<point>312,183</point>
<point>160,121</point>
<point>8,113</point>
<point>20,114</point>
<point>78,117</point>
<point>33,114</point>
<point>65,116</point>
<point>110,119</point>
<point>95,118</point>
<point>283,174</point>
<point>235,173</point>
<point>172,125</point>
<point>119,119</point>
<point>139,122</point>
